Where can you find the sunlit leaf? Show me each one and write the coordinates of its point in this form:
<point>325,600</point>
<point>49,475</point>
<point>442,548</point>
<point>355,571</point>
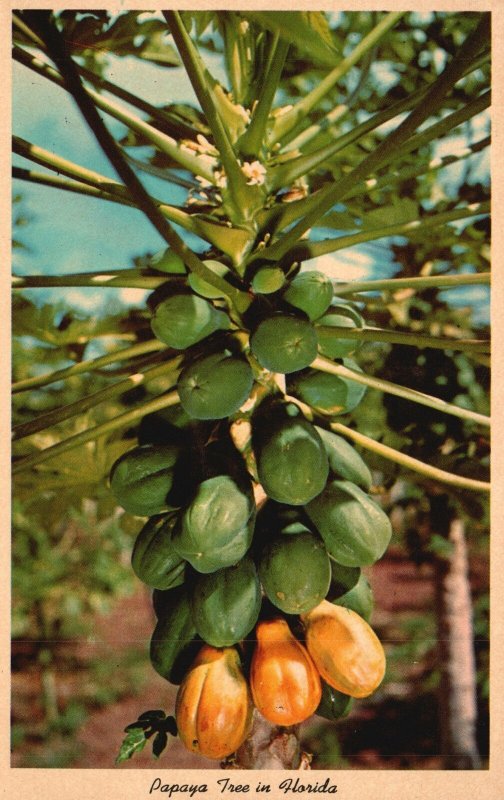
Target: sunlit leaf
<point>308,30</point>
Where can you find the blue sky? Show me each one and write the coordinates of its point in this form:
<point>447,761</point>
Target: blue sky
<point>69,233</point>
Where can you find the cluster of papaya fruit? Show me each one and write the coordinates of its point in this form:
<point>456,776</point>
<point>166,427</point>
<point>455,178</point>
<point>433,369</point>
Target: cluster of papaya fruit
<point>257,604</point>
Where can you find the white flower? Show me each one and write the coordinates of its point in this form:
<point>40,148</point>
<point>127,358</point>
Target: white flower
<point>203,181</point>
<point>220,178</point>
<point>255,172</point>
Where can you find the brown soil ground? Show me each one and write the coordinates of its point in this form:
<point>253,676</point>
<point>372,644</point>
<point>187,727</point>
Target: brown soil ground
<point>372,737</point>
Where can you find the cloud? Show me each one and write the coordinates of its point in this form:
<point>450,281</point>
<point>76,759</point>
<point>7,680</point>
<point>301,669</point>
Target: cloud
<point>349,265</point>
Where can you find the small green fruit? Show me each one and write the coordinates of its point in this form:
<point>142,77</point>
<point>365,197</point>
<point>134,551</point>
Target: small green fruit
<point>215,386</point>
<point>168,261</point>
<point>284,343</point>
<point>183,319</point>
<point>311,292</point>
<point>268,280</point>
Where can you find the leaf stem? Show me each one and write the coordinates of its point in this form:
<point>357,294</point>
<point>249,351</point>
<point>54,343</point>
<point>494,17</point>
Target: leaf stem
<point>405,338</point>
<point>387,148</point>
<point>58,415</point>
<point>196,73</point>
<point>125,353</point>
<point>290,119</point>
<point>325,365</point>
<point>252,141</point>
<point>119,278</point>
<point>94,179</point>
<point>393,284</point>
<point>166,144</point>
<point>90,434</point>
<point>409,462</point>
<point>307,250</point>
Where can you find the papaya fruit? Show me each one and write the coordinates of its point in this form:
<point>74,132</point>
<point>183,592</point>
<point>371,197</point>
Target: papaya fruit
<point>201,286</point>
<point>344,648</point>
<point>359,598</point>
<point>215,386</point>
<point>295,572</point>
<point>335,345</point>
<point>292,463</point>
<point>174,642</point>
<point>141,479</point>
<point>342,579</point>
<point>355,530</point>
<point>329,394</point>
<point>310,291</point>
<point>184,318</point>
<point>333,704</point>
<point>167,261</point>
<point>344,460</point>
<point>225,604</point>
<point>284,343</point>
<point>284,682</point>
<point>213,708</point>
<point>215,529</point>
<point>267,280</point>
<point>153,559</point>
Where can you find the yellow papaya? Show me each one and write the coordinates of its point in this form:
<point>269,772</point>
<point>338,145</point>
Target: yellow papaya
<point>344,648</point>
<point>214,708</point>
<point>285,684</point>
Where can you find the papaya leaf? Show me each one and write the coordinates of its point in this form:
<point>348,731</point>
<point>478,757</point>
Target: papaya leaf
<point>133,742</point>
<point>402,210</point>
<point>308,30</point>
<point>149,723</point>
<point>159,743</point>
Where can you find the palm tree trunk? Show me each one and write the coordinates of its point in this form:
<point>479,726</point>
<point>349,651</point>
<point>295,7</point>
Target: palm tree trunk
<point>456,660</point>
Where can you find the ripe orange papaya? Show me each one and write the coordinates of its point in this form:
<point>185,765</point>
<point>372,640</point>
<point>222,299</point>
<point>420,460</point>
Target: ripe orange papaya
<point>284,681</point>
<point>214,708</point>
<point>344,648</point>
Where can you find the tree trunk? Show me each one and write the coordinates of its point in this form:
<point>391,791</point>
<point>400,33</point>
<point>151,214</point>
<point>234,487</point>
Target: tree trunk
<point>456,660</point>
<point>269,747</point>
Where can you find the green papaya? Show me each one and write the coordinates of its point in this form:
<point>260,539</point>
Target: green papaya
<point>183,318</point>
<point>356,531</point>
<point>311,292</point>
<point>141,479</point>
<point>284,343</point>
<point>215,530</point>
<point>153,559</point>
<point>342,579</point>
<point>267,280</point>
<point>295,572</point>
<point>333,704</point>
<point>326,393</point>
<point>225,604</point>
<point>344,460</point>
<point>202,287</point>
<point>215,386</point>
<point>335,345</point>
<point>174,643</point>
<point>292,463</point>
<point>359,598</point>
<point>167,261</point>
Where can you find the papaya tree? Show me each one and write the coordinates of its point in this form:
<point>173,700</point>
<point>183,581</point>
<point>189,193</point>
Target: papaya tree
<point>242,456</point>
